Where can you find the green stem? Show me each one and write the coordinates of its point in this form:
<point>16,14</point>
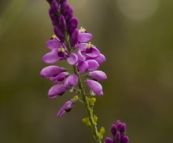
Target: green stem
<point>88,109</point>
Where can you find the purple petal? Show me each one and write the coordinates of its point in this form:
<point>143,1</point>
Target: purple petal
<point>113,129</point>
<point>92,52</point>
<point>65,9</point>
<point>62,22</point>
<point>55,5</point>
<point>52,14</point>
<point>118,124</point>
<point>125,139</point>
<point>81,57</point>
<point>65,108</point>
<point>70,14</point>
<point>71,80</point>
<point>95,87</point>
<point>60,77</point>
<point>123,128</point>
<point>51,57</point>
<point>74,37</point>
<point>82,66</point>
<point>53,44</point>
<point>117,136</point>
<point>92,65</point>
<point>73,25</point>
<point>59,33</point>
<point>100,93</point>
<point>56,90</point>
<point>98,75</point>
<point>108,140</point>
<point>50,71</point>
<point>81,46</point>
<point>72,59</point>
<point>84,37</point>
<point>100,59</point>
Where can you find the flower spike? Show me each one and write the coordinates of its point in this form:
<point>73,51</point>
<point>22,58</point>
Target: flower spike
<point>72,45</point>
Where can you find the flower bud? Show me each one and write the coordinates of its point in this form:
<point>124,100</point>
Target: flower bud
<point>65,108</point>
<point>72,25</point>
<point>50,71</point>
<point>59,33</point>
<point>56,90</point>
<point>98,75</point>
<point>95,87</point>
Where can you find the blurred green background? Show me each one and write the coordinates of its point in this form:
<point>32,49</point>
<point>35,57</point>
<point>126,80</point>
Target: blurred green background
<point>137,38</point>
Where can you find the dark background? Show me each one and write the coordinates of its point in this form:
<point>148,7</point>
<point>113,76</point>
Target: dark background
<point>135,36</point>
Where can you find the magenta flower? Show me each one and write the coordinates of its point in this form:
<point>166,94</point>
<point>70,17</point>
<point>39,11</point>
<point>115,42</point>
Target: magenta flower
<point>72,45</point>
<point>58,51</point>
<point>72,25</point>
<point>108,140</point>
<point>53,44</point>
<point>100,59</point>
<point>72,59</point>
<point>88,49</point>
<point>81,55</point>
<point>84,36</point>
<point>57,90</point>
<point>92,51</point>
<point>74,37</point>
<point>81,46</point>
<point>71,80</point>
<point>98,75</point>
<point>66,108</point>
<point>82,66</point>
<point>50,71</point>
<point>92,65</point>
<point>60,77</point>
<point>59,33</point>
<point>62,22</point>
<point>118,131</point>
<point>95,87</point>
<point>51,57</point>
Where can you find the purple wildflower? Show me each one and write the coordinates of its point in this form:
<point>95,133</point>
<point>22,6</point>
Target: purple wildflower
<point>95,87</point>
<point>72,25</point>
<point>98,75</point>
<point>82,66</point>
<point>71,80</point>
<point>65,108</point>
<point>92,65</point>
<point>60,77</point>
<point>100,59</point>
<point>50,71</point>
<point>71,45</point>
<point>57,90</point>
<point>118,131</point>
<point>53,43</point>
<point>72,59</point>
<point>108,140</point>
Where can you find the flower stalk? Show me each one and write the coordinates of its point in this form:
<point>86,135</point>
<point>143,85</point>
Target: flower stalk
<point>72,44</point>
<point>88,109</point>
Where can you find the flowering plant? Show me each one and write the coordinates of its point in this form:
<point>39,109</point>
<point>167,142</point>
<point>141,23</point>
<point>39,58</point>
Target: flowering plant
<point>72,45</point>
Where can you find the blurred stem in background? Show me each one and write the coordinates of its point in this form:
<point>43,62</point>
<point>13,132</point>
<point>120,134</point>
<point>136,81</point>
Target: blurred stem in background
<point>10,13</point>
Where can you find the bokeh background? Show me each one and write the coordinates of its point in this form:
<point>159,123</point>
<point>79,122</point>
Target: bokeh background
<point>137,38</point>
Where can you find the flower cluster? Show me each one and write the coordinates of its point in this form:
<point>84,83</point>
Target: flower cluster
<point>118,131</point>
<point>71,44</point>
